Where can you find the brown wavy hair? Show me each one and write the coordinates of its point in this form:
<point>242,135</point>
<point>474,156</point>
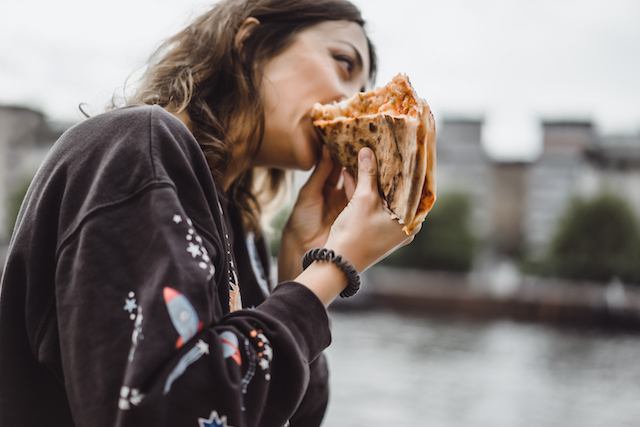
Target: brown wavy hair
<point>203,71</point>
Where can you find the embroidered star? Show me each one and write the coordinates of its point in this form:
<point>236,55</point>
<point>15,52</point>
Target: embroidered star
<point>203,347</point>
<point>130,305</point>
<point>194,250</point>
<point>136,397</point>
<point>124,404</point>
<point>213,421</point>
<point>177,219</point>
<point>268,352</point>
<point>264,364</point>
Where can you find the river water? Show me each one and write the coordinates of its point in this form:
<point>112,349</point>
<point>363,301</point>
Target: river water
<point>392,369</point>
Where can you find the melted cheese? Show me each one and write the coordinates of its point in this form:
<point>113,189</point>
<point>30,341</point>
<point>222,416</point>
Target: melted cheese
<point>397,98</point>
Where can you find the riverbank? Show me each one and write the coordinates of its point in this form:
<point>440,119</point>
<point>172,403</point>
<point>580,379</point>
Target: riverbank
<point>527,298</point>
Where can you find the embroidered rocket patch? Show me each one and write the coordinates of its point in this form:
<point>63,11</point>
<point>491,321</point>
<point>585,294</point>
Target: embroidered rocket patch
<point>214,420</point>
<point>182,315</point>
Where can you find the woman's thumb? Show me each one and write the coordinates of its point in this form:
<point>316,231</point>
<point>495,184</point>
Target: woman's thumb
<point>367,169</point>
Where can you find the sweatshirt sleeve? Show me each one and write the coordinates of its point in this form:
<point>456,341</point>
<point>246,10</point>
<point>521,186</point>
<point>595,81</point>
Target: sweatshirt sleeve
<point>144,337</point>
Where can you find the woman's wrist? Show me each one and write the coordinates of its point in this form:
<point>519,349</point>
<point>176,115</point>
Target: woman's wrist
<point>328,255</point>
<point>325,279</point>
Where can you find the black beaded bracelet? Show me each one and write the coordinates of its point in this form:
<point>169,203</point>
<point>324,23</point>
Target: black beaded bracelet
<point>324,254</point>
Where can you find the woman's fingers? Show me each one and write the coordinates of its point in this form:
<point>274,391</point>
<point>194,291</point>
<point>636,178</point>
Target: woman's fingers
<point>349,184</point>
<point>322,172</point>
<point>367,172</point>
<point>334,177</point>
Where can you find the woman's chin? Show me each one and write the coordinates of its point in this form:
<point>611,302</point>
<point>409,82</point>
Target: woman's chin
<point>306,165</point>
<point>306,160</point>
<point>312,159</point>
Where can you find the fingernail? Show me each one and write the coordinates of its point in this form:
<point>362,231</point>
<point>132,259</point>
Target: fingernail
<point>365,155</point>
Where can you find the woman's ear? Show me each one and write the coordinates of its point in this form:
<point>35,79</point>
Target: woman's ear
<point>245,30</point>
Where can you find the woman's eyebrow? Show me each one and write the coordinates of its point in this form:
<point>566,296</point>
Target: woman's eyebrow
<point>359,61</point>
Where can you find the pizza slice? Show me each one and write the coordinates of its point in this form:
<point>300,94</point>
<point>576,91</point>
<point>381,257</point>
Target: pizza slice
<point>400,129</point>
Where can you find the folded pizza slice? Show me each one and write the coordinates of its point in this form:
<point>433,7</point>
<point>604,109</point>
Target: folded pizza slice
<point>400,129</point>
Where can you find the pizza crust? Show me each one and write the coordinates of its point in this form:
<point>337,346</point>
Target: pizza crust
<point>400,129</point>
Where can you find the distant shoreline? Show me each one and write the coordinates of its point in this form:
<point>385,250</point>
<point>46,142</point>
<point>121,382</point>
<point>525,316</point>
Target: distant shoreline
<point>551,301</point>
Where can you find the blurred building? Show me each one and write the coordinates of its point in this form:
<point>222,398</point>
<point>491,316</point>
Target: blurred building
<point>25,138</point>
<point>517,205</point>
<point>617,159</point>
<point>561,173</point>
<point>464,167</point>
<point>507,208</point>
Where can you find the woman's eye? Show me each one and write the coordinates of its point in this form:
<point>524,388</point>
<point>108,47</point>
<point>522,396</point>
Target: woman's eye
<point>346,62</point>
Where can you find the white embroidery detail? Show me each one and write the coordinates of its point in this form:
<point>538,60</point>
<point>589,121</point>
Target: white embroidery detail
<point>264,364</point>
<point>194,250</point>
<point>195,247</point>
<point>130,305</point>
<point>129,396</point>
<point>192,356</point>
<point>214,420</point>
<point>203,346</point>
<point>136,335</point>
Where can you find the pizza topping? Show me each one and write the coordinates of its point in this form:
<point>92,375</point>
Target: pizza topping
<point>395,99</point>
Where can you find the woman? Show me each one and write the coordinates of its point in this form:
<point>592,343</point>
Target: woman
<point>132,292</point>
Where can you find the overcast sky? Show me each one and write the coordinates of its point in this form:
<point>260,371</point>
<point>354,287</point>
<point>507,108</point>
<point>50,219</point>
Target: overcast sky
<point>510,62</point>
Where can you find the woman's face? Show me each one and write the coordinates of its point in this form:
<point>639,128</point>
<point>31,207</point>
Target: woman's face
<point>326,62</point>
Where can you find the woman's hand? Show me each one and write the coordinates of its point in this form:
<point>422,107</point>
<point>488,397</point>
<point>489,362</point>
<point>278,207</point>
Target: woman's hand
<point>363,232</point>
<point>318,205</point>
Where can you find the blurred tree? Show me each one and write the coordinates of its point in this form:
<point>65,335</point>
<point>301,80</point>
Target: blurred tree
<point>596,239</point>
<point>445,241</point>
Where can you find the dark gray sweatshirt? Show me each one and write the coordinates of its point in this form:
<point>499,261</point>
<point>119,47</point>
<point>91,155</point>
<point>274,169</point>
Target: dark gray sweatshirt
<point>117,299</point>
